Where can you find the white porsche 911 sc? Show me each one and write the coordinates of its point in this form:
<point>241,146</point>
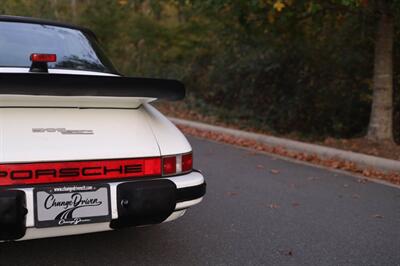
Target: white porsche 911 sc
<point>81,148</point>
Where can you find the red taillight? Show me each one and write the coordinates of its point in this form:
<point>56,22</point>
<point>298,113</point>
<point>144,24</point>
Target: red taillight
<point>73,171</point>
<point>177,164</point>
<point>43,57</point>
<point>53,172</point>
<point>187,162</point>
<point>169,165</point>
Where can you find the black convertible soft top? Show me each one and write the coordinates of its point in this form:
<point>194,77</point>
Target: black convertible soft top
<point>89,85</point>
<point>44,22</point>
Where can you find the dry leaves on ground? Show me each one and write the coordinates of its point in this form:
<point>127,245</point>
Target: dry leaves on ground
<point>311,158</point>
<point>362,145</point>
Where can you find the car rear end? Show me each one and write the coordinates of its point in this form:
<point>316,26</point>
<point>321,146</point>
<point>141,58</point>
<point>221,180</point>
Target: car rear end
<point>81,148</point>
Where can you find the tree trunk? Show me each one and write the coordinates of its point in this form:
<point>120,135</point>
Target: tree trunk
<point>73,10</point>
<point>381,119</point>
<point>54,5</point>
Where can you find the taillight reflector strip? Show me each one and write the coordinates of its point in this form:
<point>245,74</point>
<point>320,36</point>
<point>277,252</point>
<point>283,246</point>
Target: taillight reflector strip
<point>169,165</point>
<point>55,172</point>
<point>177,164</point>
<point>187,162</point>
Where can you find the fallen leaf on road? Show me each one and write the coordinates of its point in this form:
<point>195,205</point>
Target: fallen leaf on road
<point>231,193</point>
<point>286,252</point>
<point>366,172</point>
<point>355,196</point>
<point>259,166</point>
<point>295,204</point>
<point>274,206</point>
<point>362,180</point>
<point>335,164</point>
<point>378,216</point>
<point>274,171</point>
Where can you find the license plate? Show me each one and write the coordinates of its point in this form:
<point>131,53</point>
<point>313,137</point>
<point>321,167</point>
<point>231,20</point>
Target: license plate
<point>72,205</point>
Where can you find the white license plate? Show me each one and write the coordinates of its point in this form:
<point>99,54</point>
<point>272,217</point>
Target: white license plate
<point>60,205</point>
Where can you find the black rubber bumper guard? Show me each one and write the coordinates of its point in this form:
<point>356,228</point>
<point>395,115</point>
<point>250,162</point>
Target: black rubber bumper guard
<point>12,214</point>
<point>139,203</point>
<point>151,202</point>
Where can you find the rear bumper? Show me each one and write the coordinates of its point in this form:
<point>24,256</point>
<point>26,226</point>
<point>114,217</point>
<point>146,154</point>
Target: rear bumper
<point>184,191</point>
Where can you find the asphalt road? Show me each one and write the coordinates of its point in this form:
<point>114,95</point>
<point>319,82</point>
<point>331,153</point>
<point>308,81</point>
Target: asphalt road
<point>259,210</point>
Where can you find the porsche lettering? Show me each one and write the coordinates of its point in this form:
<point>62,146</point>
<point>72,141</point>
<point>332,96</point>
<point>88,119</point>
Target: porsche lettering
<point>71,172</point>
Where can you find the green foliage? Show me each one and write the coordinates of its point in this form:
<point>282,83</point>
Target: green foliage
<point>299,66</point>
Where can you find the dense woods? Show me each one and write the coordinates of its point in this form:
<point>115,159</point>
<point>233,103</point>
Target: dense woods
<point>314,68</point>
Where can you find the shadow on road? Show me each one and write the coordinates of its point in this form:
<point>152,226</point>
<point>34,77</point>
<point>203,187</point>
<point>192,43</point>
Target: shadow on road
<point>127,246</point>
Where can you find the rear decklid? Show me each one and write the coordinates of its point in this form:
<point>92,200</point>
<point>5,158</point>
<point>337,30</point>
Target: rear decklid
<point>67,134</point>
<point>64,117</point>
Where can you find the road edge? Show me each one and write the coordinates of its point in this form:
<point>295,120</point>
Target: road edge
<point>363,160</point>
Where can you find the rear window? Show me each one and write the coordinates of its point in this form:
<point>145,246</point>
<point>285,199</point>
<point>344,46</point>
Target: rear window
<point>75,49</point>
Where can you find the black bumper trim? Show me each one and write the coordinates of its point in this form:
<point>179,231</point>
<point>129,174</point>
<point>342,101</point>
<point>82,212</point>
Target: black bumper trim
<point>140,203</point>
<point>191,193</point>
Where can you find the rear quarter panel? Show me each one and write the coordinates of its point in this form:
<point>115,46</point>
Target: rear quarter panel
<point>169,138</point>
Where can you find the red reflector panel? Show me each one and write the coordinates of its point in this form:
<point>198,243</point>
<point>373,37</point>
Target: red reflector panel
<point>53,172</point>
<point>169,165</point>
<point>43,57</point>
<point>187,162</point>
